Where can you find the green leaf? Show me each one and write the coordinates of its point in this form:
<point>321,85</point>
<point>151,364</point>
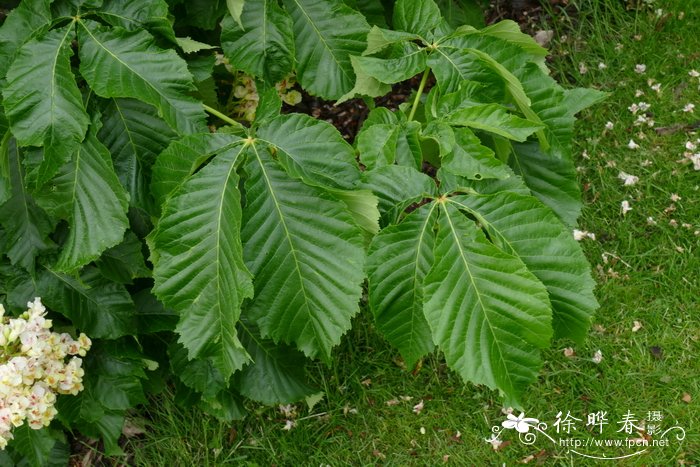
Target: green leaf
<point>202,14</point>
<point>556,107</point>
<point>87,193</point>
<point>5,183</point>
<point>42,101</point>
<point>134,135</point>
<point>184,156</point>
<point>87,413</point>
<point>264,45</point>
<point>452,66</point>
<point>277,375</point>
<point>399,259</point>
<point>98,307</point>
<point>469,158</point>
<point>362,206</point>
<point>124,262</point>
<point>34,445</point>
<point>312,150</point>
<point>410,62</point>
<point>306,255</point>
<point>200,374</point>
<point>523,226</point>
<point>487,312</point>
<point>189,45</point>
<point>198,263</point>
<point>117,373</point>
<point>379,39</point>
<point>226,406</point>
<point>416,16</point>
<point>495,119</point>
<point>408,147</point>
<point>27,226</point>
<point>151,315</point>
<point>118,63</point>
<point>509,30</point>
<point>365,85</point>
<point>134,15</point>
<point>326,34</point>
<point>397,187</point>
<point>373,10</point>
<point>551,180</point>
<point>449,182</point>
<point>24,22</point>
<point>377,145</point>
<point>235,9</point>
<point>460,12</point>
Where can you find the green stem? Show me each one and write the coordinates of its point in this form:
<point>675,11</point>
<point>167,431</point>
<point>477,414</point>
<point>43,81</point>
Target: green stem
<point>419,93</point>
<point>223,117</point>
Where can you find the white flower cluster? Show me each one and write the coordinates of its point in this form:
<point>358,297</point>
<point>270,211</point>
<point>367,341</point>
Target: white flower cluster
<point>33,369</point>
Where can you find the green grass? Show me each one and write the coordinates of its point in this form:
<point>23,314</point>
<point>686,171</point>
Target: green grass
<point>650,276</point>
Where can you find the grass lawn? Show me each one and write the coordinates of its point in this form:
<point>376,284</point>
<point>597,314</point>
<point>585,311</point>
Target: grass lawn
<point>646,263</point>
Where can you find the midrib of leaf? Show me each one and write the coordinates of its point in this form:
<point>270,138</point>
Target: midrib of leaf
<point>53,68</point>
<point>222,329</point>
<point>454,65</point>
<point>125,18</point>
<point>323,41</point>
<point>74,188</point>
<point>132,175</point>
<point>476,290</point>
<point>515,89</point>
<point>288,236</point>
<point>123,63</point>
<point>80,292</point>
<point>264,29</point>
<point>21,184</point>
<point>415,270</point>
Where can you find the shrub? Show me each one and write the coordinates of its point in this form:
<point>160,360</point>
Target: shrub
<point>221,261</point>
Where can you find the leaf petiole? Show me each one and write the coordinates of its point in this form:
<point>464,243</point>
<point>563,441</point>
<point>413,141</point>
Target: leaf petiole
<point>421,86</point>
<point>223,117</point>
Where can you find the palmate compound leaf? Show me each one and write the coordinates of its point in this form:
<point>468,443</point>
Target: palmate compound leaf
<point>399,258</point>
<point>264,45</point>
<point>198,262</point>
<point>86,192</point>
<point>42,101</point>
<point>326,34</point>
<point>523,226</point>
<point>306,254</point>
<point>487,312</point>
<point>119,63</point>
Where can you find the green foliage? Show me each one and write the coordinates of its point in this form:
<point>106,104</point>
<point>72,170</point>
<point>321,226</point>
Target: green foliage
<point>260,238</point>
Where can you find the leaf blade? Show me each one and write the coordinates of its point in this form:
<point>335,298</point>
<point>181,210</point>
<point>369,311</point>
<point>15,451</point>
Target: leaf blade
<point>323,49</point>
<point>42,101</point>
<point>289,230</point>
<point>398,261</point>
<point>198,262</point>
<point>530,230</point>
<point>491,325</point>
<point>118,63</point>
